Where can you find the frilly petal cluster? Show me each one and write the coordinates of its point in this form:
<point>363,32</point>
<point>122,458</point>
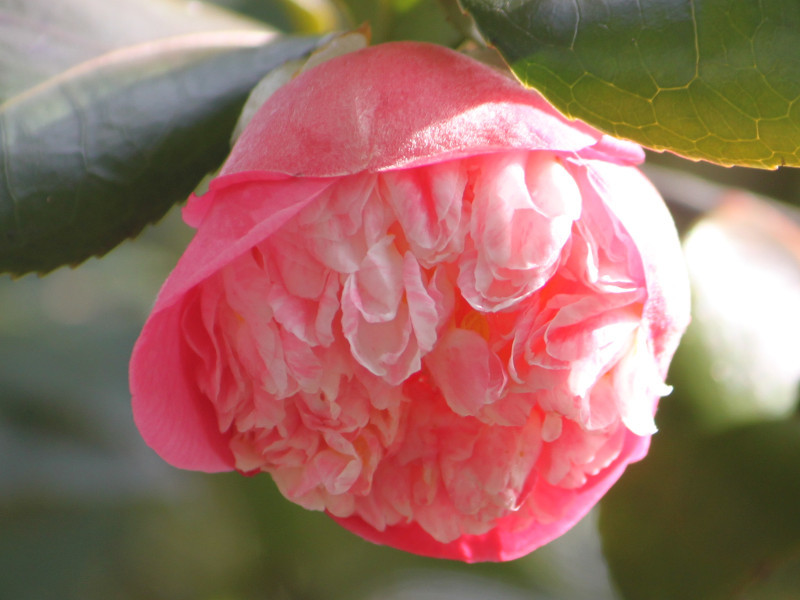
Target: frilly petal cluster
<point>422,301</point>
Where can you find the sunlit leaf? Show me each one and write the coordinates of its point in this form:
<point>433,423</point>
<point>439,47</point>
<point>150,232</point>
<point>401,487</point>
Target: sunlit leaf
<point>717,80</point>
<point>705,518</point>
<point>91,156</point>
<point>41,38</point>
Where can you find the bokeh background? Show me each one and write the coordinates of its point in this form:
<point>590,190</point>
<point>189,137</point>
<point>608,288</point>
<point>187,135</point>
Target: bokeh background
<point>87,511</point>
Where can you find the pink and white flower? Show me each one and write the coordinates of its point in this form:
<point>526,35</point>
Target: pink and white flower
<point>424,302</point>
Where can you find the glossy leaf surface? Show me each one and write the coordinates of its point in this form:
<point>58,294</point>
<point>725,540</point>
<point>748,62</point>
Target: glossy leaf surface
<point>717,80</point>
<point>94,154</point>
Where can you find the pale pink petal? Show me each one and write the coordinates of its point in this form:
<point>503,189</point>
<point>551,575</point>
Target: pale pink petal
<point>239,211</point>
<point>466,371</point>
<point>421,306</point>
<point>347,221</point>
<point>591,334</point>
<point>309,320</point>
<point>637,377</point>
<point>374,320</point>
<point>376,288</point>
<point>388,350</point>
<point>524,207</point>
<point>430,209</point>
<point>646,220</point>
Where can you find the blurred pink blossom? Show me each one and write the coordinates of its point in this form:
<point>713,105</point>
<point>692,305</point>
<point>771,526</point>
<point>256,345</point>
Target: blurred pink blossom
<point>424,302</point>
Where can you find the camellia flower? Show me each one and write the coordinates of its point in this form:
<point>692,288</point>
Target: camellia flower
<point>424,302</point>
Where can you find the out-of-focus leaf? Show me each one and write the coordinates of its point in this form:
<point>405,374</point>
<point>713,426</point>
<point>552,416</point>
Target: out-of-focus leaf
<point>432,584</point>
<point>716,80</point>
<point>41,38</point>
<point>780,583</point>
<point>740,359</point>
<point>421,20</point>
<point>296,16</point>
<point>91,156</point>
<point>705,518</point>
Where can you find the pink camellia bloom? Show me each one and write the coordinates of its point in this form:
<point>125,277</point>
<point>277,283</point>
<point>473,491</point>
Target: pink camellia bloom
<point>424,302</point>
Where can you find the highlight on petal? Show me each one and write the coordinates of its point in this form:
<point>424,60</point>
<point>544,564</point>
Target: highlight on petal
<point>522,214</point>
<point>466,371</point>
<point>430,208</point>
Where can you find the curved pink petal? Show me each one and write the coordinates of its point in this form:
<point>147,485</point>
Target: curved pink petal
<point>172,417</point>
<point>466,371</point>
<point>166,410</point>
<point>646,219</point>
<point>436,105</point>
<point>430,208</point>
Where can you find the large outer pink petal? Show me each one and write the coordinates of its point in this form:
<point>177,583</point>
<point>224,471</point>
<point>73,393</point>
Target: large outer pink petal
<point>171,414</point>
<point>405,104</point>
<point>182,430</point>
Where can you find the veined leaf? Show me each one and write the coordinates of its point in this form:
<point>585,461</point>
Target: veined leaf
<point>91,156</point>
<point>717,80</point>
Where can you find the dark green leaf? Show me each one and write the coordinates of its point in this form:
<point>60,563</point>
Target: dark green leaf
<point>90,157</point>
<point>704,518</point>
<point>41,38</point>
<point>716,80</point>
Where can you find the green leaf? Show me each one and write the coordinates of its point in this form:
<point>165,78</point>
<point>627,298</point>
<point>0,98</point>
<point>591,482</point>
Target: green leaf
<point>420,20</point>
<point>705,518</point>
<point>298,16</point>
<point>716,80</point>
<point>90,157</point>
<point>41,38</point>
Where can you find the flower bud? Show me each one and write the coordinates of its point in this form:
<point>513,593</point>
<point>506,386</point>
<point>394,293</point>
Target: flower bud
<point>422,301</point>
